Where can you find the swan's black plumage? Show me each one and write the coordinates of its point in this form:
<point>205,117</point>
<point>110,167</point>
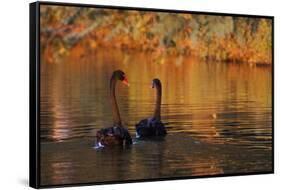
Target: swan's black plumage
<point>117,134</point>
<point>150,127</point>
<point>153,126</point>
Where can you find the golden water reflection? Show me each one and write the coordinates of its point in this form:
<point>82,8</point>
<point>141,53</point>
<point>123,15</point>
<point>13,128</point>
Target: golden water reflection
<point>213,112</point>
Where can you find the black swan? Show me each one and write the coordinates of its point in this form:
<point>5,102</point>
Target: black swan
<point>152,126</point>
<point>117,134</point>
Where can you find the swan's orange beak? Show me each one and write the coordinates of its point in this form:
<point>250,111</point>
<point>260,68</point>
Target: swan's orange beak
<point>125,81</point>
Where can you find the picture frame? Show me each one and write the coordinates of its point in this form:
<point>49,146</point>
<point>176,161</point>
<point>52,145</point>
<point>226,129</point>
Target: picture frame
<point>236,132</point>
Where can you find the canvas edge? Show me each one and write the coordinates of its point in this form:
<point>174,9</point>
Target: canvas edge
<point>34,143</point>
<point>152,9</point>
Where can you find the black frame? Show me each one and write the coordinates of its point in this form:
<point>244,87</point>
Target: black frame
<point>34,92</point>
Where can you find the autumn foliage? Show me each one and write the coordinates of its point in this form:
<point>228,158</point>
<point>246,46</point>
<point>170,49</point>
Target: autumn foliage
<point>73,31</point>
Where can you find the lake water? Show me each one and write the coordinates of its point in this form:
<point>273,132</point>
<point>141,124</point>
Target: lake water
<point>218,117</point>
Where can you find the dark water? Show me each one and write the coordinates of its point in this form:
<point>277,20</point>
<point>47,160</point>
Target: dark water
<point>218,118</point>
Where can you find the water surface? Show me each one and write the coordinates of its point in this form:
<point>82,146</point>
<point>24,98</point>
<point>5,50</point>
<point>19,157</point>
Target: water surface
<point>218,117</point>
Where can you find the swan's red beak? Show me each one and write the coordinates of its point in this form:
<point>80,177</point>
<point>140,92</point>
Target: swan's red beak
<point>125,81</point>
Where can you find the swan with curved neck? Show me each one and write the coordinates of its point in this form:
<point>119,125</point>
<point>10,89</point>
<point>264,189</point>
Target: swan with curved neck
<point>117,134</point>
<point>153,126</point>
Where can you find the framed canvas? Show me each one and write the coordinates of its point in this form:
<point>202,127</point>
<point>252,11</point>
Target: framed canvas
<point>94,118</point>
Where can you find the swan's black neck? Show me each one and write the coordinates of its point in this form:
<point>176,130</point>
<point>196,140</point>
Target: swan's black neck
<point>115,110</point>
<point>157,109</point>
